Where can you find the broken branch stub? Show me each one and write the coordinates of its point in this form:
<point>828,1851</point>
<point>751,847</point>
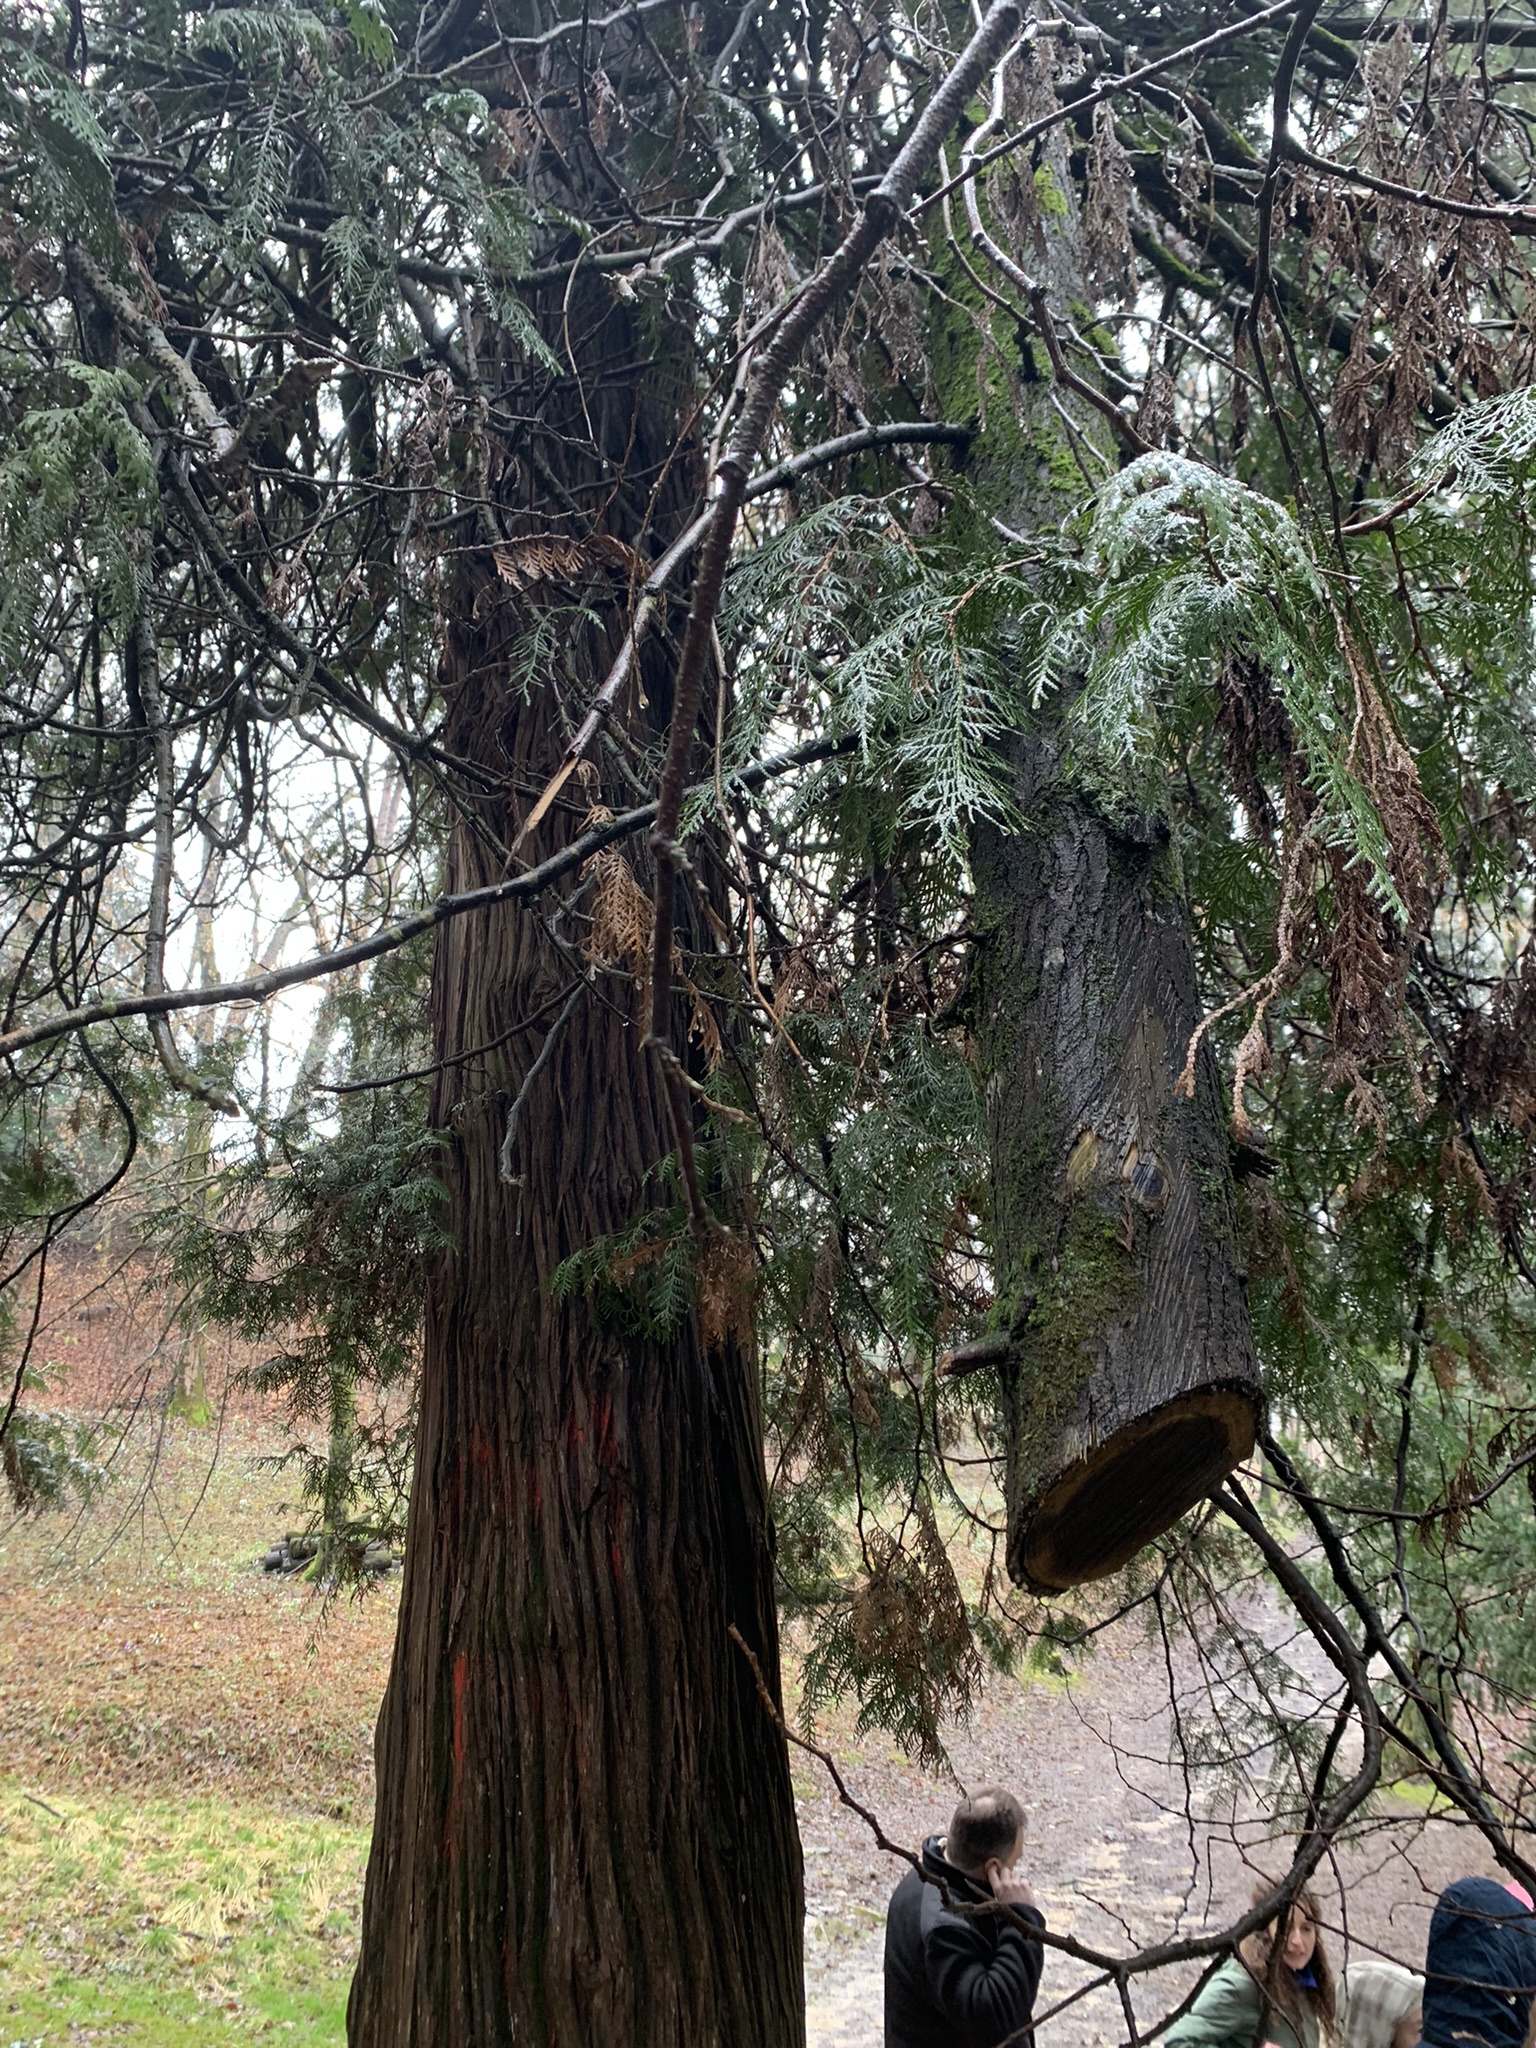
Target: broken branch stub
<point>1131,1387</point>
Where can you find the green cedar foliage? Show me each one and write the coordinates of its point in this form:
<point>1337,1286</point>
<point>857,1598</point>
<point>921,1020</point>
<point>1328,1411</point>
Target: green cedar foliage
<point>343,241</point>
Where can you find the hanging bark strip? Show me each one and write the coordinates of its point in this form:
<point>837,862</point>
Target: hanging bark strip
<point>882,211</point>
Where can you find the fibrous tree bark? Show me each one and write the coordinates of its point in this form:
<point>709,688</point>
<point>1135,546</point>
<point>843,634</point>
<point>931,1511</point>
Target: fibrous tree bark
<point>1131,1386</point>
<point>585,1831</point>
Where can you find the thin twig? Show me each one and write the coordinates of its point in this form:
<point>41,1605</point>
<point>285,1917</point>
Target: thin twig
<point>825,1757</point>
<point>1518,217</point>
<point>457,1059</point>
<point>147,663</point>
<point>1195,1948</point>
<point>1075,109</point>
<point>881,214</point>
<point>1454,1775</point>
<point>1379,520</point>
<point>1280,129</point>
<point>258,987</point>
<point>520,1100</point>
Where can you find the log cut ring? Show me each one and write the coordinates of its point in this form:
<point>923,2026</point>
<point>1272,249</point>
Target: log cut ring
<point>1133,1487</point>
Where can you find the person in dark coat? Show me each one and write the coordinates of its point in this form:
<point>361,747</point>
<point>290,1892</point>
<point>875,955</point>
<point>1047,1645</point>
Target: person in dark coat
<point>958,1979</point>
<point>1480,1968</point>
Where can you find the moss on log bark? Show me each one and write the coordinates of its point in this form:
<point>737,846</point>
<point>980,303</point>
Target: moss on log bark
<point>1130,1382</point>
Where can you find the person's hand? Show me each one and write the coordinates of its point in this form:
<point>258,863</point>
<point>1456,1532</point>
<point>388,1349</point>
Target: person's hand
<point>1009,1887</point>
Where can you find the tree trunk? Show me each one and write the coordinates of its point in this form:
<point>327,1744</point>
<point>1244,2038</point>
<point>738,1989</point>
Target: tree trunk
<point>1131,1386</point>
<point>585,1830</point>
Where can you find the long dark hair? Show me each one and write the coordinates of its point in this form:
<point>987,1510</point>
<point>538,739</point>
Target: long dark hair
<point>1264,1953</point>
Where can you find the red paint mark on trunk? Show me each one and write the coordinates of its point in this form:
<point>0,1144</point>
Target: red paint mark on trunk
<point>459,1745</point>
<point>460,1684</point>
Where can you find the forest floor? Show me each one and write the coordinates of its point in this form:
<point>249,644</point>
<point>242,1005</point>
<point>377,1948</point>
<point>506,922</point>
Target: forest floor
<point>187,1784</point>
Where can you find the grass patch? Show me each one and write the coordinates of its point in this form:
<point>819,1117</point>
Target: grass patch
<point>1416,1792</point>
<point>174,1921</point>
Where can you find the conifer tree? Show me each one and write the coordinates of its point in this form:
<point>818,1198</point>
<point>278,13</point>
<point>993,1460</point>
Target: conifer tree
<point>761,528</point>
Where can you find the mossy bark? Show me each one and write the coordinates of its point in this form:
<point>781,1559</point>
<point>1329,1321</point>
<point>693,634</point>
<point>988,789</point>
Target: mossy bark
<point>1130,1382</point>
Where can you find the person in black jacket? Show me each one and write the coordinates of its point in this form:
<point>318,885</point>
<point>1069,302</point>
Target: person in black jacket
<point>957,1979</point>
<point>1480,1971</point>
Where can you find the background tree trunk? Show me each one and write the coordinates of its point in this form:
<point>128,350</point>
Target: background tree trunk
<point>1130,1379</point>
<point>585,1829</point>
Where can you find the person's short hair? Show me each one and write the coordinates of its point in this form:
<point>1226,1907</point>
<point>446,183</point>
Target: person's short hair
<point>985,1824</point>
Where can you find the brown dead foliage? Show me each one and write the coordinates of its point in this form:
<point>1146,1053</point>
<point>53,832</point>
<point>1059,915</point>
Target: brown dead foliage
<point>1496,1054</point>
<point>1268,1247</point>
<point>545,558</point>
<point>726,1279</point>
<point>1361,942</point>
<point>1369,943</point>
<point>1366,964</point>
<point>623,920</point>
<point>622,914</point>
<point>1254,729</point>
<point>1429,274</point>
<point>908,1619</point>
<point>1106,211</point>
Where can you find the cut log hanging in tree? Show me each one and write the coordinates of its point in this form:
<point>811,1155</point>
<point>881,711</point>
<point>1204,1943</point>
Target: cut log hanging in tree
<point>1130,1382</point>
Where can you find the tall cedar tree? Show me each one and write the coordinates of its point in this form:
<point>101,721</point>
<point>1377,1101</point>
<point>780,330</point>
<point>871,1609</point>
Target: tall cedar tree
<point>379,391</point>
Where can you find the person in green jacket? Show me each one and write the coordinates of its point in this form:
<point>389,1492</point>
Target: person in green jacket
<point>1273,1994</point>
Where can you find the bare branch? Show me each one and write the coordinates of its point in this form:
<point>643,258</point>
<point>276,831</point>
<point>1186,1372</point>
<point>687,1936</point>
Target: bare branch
<point>258,988</point>
<point>1518,217</point>
<point>1127,83</point>
<point>545,1054</point>
<point>176,1068</point>
<point>152,340</point>
<point>882,212</point>
<point>1455,1778</point>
